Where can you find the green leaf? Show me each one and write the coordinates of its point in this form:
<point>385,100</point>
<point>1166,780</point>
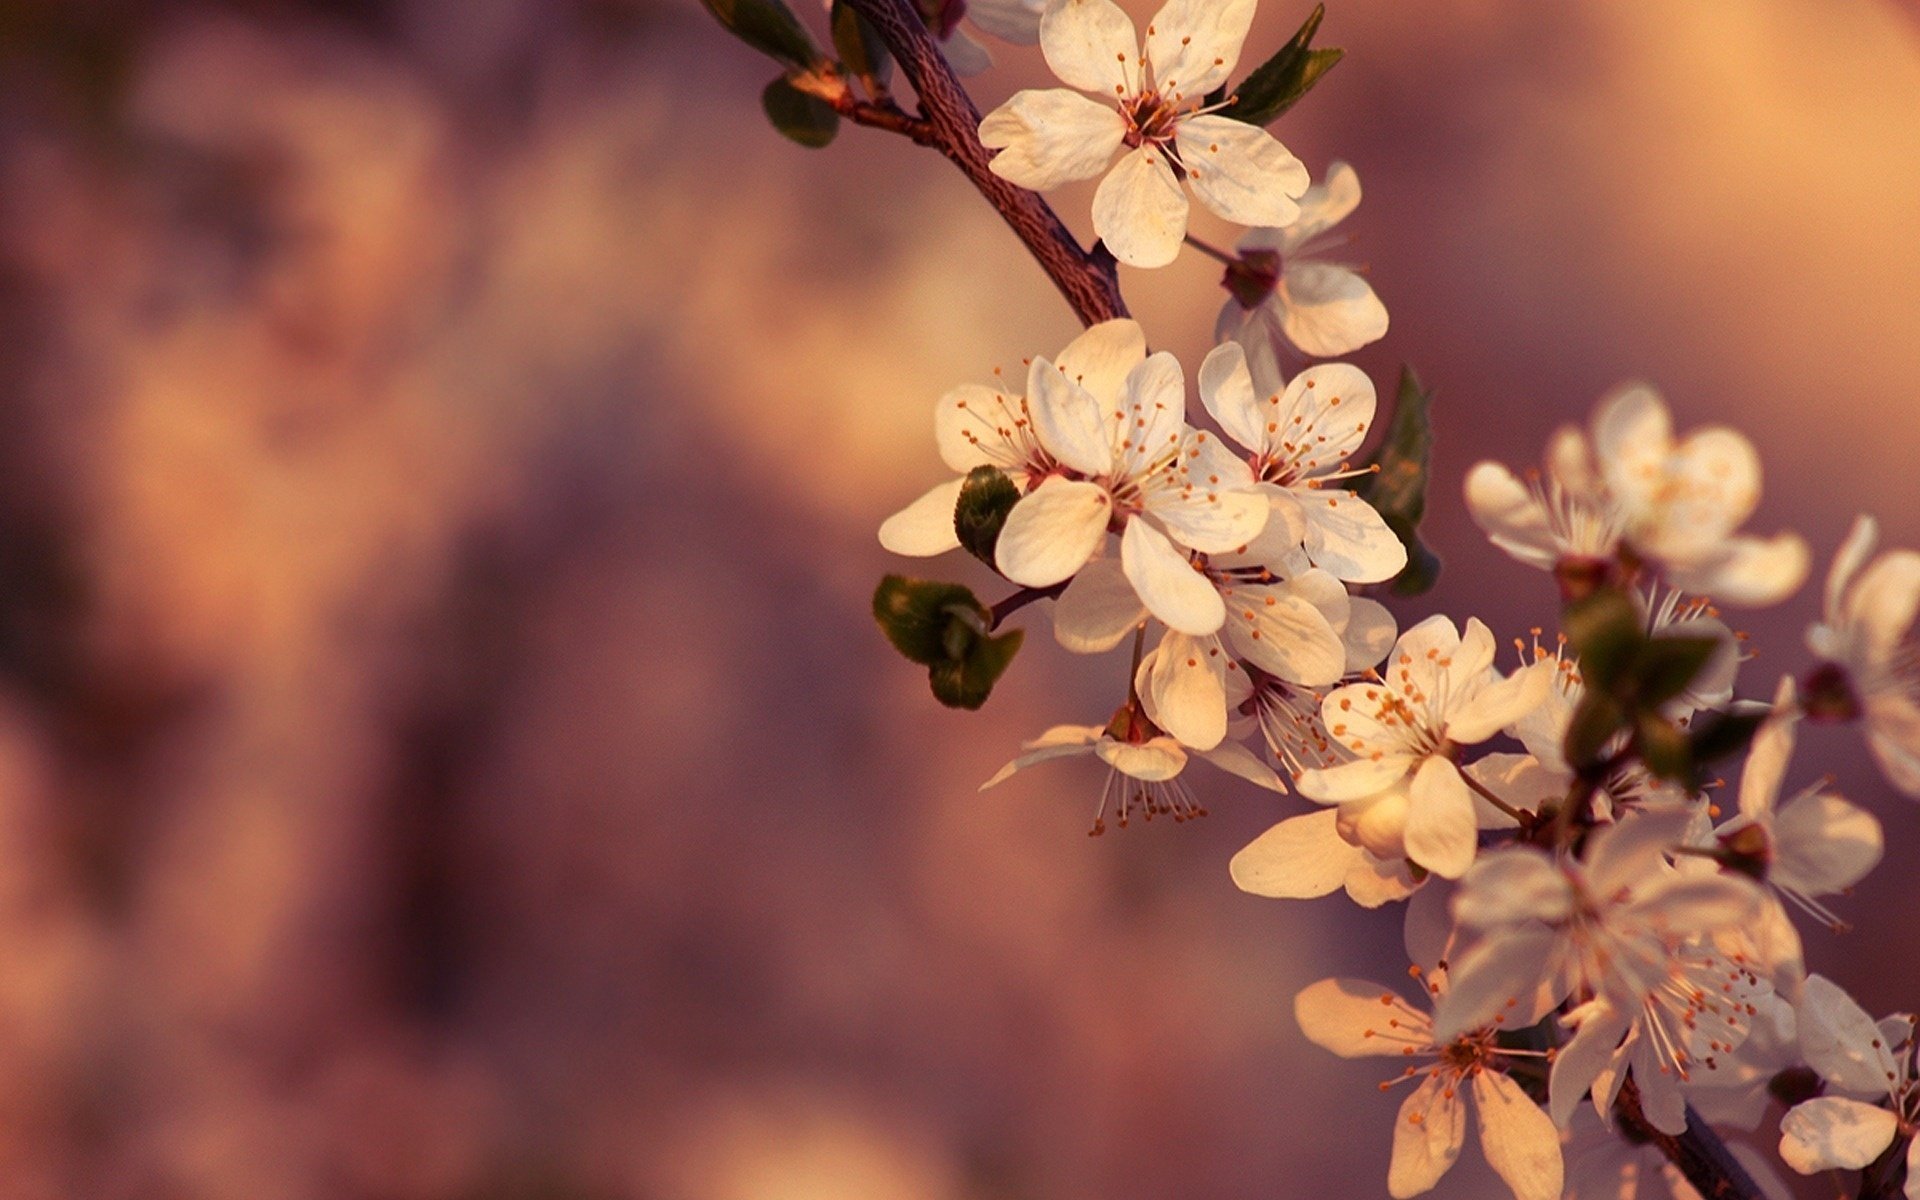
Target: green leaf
<point>1278,84</point>
<point>1666,665</point>
<point>1398,489</point>
<point>1664,747</point>
<point>968,681</point>
<point>1604,629</point>
<point>1722,735</point>
<point>1596,719</point>
<point>806,119</point>
<point>943,627</point>
<point>770,27</point>
<point>985,500</point>
<point>859,46</point>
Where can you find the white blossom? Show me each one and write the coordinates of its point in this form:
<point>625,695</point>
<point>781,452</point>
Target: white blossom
<point>1054,136</point>
<point>1859,1058</point>
<point>1872,668</point>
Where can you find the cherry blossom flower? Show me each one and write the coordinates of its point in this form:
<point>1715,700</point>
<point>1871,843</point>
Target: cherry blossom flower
<point>1439,692</point>
<point>1872,667</point>
<point>1133,467</point>
<point>1299,441</point>
<point>979,426</point>
<point>1016,21</point>
<point>1282,293</point>
<point>1355,1019</point>
<point>1054,136</point>
<point>1144,764</point>
<point>1632,493</point>
<point>1860,1058</point>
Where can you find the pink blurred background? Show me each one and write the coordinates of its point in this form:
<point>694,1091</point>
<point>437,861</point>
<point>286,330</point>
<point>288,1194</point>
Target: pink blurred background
<point>444,751</point>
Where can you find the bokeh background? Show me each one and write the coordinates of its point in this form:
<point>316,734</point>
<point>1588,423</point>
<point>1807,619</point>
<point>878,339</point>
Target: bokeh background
<point>444,751</point>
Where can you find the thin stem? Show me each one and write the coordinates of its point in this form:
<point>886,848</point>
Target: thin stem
<point>1087,278</point>
<point>1494,800</point>
<point>1133,669</point>
<point>1699,1153</point>
<point>1212,251</point>
<point>1019,600</point>
<point>885,114</point>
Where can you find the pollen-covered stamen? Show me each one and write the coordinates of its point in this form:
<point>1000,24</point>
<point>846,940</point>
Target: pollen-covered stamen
<point>1304,450</point>
<point>1149,798</point>
<point>1586,525</point>
<point>1003,433</point>
<point>1289,717</point>
<point>1703,1008</point>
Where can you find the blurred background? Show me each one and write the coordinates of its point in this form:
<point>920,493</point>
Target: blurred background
<point>444,750</point>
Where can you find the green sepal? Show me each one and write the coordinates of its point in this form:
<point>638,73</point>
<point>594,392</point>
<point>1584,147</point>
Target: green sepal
<point>860,49</point>
<point>1398,489</point>
<point>1603,627</point>
<point>944,627</point>
<point>1663,746</point>
<point>1713,737</point>
<point>803,118</point>
<point>985,500</point>
<point>1596,719</point>
<point>1665,666</point>
<point>1279,83</point>
<point>770,27</point>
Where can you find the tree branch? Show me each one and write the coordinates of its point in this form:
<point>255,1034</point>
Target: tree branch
<point>1699,1153</point>
<point>1088,280</point>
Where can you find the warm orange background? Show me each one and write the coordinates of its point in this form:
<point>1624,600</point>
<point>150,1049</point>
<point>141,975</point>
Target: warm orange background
<point>444,752</point>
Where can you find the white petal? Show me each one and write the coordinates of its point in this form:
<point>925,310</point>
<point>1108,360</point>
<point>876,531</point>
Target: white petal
<point>1626,854</point>
<point>1068,421</point>
<point>1166,581</point>
<point>1357,780</point>
<point>1052,531</point>
<point>1350,1017</point>
<point>1299,859</point>
<point>1347,537</point>
<point>1823,845</point>
<point>1329,405</point>
<point>1058,742</point>
<point>1369,633</point>
<point>1722,470</point>
<point>1051,136</point>
<point>1235,759</point>
<point>1193,44</point>
<point>1633,437</point>
<point>1882,605</point>
<point>1689,904</point>
<point>1098,609</point>
<point>1372,882</point>
<point>1442,834</point>
<point>1833,1133</point>
<point>925,527</point>
<point>1139,210</point>
<point>1285,635</point>
<point>1240,171</point>
<point>1153,761</point>
<point>1427,1136</point>
<point>1016,21</point>
<point>1324,205</point>
<point>1328,310</point>
<point>1512,886</point>
<point>964,55</point>
<point>1511,517</point>
<point>1226,389</point>
<point>1495,976</point>
<point>1188,683</point>
<point>1847,562</point>
<point>1748,571</point>
<point>1519,1141</point>
<point>1091,45</point>
<point>1212,517</point>
<point>1598,1028</point>
<point>1841,1041</point>
<point>1501,704</point>
<point>1102,356</point>
<point>1153,414</point>
<point>974,426</point>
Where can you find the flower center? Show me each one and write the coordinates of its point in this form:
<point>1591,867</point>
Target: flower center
<point>1150,118</point>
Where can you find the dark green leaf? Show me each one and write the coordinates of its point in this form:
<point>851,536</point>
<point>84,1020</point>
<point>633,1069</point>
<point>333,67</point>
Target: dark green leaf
<point>1398,489</point>
<point>1722,735</point>
<point>770,27</point>
<point>1278,84</point>
<point>967,682</point>
<point>1664,748</point>
<point>1666,665</point>
<point>1596,719</point>
<point>1603,628</point>
<point>806,119</point>
<point>860,48</point>
<point>917,616</point>
<point>985,500</point>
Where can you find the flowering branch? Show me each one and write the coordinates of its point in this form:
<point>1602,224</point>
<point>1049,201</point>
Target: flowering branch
<point>1087,279</point>
<point>1699,1153</point>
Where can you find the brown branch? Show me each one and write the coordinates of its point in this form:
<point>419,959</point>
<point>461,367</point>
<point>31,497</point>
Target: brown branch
<point>1088,280</point>
<point>885,114</point>
<point>1699,1153</point>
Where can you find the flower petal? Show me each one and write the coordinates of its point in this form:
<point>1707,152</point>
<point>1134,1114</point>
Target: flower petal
<point>1519,1141</point>
<point>1633,437</point>
<point>1324,205</point>
<point>1598,1028</point>
<point>1285,635</point>
<point>1068,421</point>
<point>1427,1136</point>
<point>1051,136</point>
<point>1442,832</point>
<point>1301,858</point>
<point>1882,605</point>
<point>1502,703</point>
<point>1139,210</point>
<point>1357,780</point>
<point>978,426</point>
<point>1052,531</point>
<point>1098,609</point>
<point>925,527</point>
<point>1824,845</point>
<point>1513,519</point>
<point>1347,537</point>
<point>966,56</point>
<point>1834,1133</point>
<point>1513,886</point>
<point>1226,390</point>
<point>1748,570</point>
<point>1327,309</point>
<point>1494,976</point>
<point>1357,1019</point>
<point>1847,562</point>
<point>1100,359</point>
<point>1091,44</point>
<point>1155,760</point>
<point>1165,579</point>
<point>1058,742</point>
<point>1237,760</point>
<point>1841,1041</point>
<point>1240,171</point>
<point>1193,44</point>
<point>1187,686</point>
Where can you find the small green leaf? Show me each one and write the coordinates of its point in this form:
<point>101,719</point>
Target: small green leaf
<point>943,627</point>
<point>1604,629</point>
<point>770,27</point>
<point>1596,719</point>
<point>859,46</point>
<point>1398,490</point>
<point>1665,666</point>
<point>968,681</point>
<point>806,119</point>
<point>1722,735</point>
<point>1663,746</point>
<point>1279,83</point>
<point>985,500</point>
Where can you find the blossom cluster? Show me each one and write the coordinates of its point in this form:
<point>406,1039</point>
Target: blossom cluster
<point>1595,935</point>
